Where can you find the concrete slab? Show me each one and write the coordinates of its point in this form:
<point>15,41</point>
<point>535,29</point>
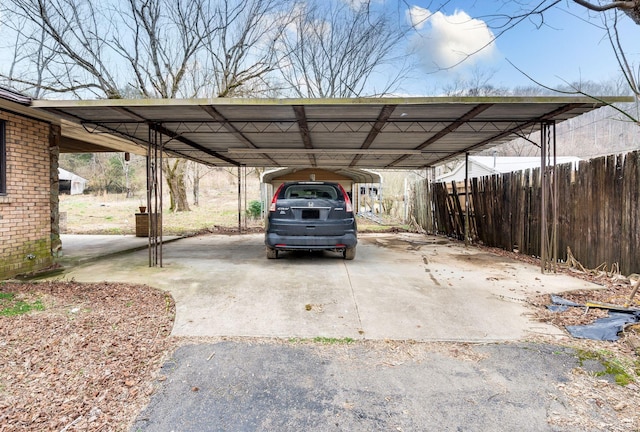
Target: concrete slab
<point>400,286</point>
<point>81,248</point>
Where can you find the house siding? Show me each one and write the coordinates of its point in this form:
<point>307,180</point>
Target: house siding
<point>26,215</point>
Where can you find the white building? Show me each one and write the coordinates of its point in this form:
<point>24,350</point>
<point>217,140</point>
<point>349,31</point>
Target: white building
<point>71,183</point>
<point>480,166</point>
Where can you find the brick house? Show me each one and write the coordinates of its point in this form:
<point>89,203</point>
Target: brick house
<point>30,142</point>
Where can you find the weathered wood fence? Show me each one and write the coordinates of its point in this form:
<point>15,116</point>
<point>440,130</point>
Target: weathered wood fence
<point>598,211</point>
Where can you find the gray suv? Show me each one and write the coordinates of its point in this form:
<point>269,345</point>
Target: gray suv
<point>311,216</point>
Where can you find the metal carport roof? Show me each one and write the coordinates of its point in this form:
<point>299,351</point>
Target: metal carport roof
<point>328,133</point>
<point>73,137</point>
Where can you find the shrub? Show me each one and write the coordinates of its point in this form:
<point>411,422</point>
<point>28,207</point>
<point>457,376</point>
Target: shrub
<point>255,209</point>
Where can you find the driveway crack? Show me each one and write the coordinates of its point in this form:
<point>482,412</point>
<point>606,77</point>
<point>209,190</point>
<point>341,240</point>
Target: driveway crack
<point>355,303</point>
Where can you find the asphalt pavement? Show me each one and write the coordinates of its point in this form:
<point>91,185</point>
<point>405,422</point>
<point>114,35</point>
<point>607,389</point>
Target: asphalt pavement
<point>242,386</point>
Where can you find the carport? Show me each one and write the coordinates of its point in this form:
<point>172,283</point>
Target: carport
<point>400,133</point>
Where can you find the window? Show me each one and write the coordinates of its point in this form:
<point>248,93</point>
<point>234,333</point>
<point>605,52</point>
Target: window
<point>3,160</point>
<point>310,192</point>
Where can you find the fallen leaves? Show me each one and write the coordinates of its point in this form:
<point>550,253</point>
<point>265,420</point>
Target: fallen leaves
<point>86,362</point>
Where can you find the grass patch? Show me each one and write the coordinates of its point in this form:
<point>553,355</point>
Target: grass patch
<point>324,340</point>
<point>333,341</point>
<point>114,230</point>
<point>611,365</point>
<point>11,306</point>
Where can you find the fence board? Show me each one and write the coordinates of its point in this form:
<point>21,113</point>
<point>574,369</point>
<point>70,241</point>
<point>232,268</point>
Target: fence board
<point>598,211</point>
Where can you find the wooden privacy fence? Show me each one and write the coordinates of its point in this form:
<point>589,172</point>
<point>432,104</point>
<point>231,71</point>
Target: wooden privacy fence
<point>598,211</point>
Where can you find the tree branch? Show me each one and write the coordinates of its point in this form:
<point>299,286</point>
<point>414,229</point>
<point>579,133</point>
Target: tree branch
<point>580,92</point>
<point>628,5</point>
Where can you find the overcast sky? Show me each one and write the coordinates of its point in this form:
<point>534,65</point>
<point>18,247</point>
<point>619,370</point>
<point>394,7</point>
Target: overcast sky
<point>567,46</point>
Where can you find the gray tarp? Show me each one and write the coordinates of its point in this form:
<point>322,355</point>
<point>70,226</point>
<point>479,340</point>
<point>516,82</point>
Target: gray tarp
<point>606,328</point>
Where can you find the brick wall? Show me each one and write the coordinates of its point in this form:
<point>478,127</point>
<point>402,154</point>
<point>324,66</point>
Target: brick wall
<point>25,211</point>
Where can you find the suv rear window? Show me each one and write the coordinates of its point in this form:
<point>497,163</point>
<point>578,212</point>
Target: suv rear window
<point>310,191</point>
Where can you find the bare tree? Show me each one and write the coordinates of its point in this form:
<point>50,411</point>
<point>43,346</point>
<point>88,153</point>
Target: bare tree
<point>478,84</point>
<point>333,50</point>
<point>245,30</point>
<point>610,13</point>
<point>144,48</point>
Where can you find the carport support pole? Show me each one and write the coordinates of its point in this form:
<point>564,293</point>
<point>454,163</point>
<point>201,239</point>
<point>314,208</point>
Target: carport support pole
<point>244,213</point>
<point>549,198</point>
<point>158,215</point>
<point>466,199</point>
<point>154,197</point>
<point>150,183</point>
<point>239,201</point>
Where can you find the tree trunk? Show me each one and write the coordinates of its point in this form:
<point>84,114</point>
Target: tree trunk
<point>174,171</point>
<point>196,184</point>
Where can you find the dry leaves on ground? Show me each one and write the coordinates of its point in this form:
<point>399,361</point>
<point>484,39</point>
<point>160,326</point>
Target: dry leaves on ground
<point>87,361</point>
<point>613,292</point>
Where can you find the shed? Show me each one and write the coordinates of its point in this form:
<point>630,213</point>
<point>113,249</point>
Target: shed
<point>353,180</point>
<point>70,183</point>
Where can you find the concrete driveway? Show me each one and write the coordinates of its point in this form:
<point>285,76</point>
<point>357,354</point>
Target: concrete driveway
<point>400,286</point>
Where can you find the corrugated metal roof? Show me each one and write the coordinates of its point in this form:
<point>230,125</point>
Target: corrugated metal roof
<point>356,175</point>
<point>335,133</point>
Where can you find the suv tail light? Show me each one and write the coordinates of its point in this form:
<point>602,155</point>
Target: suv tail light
<point>347,201</point>
<point>272,207</point>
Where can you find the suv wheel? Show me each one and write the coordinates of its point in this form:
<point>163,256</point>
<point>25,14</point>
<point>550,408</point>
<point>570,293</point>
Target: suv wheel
<point>349,253</point>
<point>272,253</point>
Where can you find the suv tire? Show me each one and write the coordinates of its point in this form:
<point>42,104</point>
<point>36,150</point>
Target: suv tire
<point>272,253</point>
<point>349,253</point>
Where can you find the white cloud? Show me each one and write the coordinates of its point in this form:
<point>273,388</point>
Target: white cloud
<point>358,4</point>
<point>449,41</point>
<point>418,17</point>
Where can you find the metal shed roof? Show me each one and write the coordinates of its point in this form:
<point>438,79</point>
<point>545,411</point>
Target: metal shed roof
<point>326,133</point>
<point>356,175</point>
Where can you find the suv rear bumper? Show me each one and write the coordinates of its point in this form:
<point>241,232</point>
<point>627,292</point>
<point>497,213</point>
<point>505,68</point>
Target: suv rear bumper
<point>279,242</point>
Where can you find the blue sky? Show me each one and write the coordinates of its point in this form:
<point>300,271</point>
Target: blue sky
<point>569,46</point>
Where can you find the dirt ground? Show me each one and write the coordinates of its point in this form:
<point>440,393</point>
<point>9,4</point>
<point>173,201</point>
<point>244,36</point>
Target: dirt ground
<point>86,361</point>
